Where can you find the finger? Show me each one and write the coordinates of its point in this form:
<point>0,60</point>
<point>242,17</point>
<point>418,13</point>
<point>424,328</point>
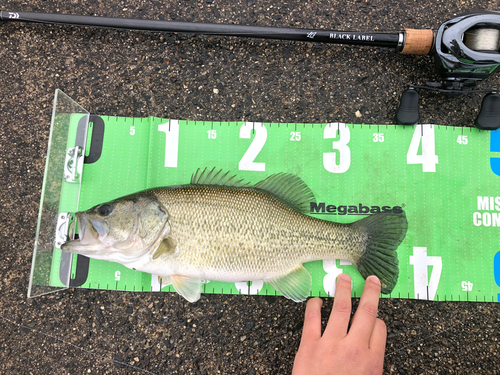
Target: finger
<point>365,317</point>
<point>312,321</point>
<point>341,311</point>
<point>379,337</point>
<point>377,345</point>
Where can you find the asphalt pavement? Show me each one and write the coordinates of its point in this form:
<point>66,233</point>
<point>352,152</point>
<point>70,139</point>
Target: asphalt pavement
<point>196,77</point>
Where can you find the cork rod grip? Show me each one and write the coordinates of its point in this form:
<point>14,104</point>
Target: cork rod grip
<point>418,42</point>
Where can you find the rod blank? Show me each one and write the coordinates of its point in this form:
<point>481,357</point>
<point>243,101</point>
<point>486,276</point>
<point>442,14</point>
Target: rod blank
<point>391,40</point>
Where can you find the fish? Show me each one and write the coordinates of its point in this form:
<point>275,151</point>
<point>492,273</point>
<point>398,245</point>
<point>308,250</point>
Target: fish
<point>219,227</point>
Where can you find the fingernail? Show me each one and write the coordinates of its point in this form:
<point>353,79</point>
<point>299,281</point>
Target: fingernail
<point>346,277</point>
<point>374,279</point>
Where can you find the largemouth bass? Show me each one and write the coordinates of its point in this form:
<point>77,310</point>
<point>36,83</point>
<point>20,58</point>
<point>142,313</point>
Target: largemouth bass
<point>220,228</point>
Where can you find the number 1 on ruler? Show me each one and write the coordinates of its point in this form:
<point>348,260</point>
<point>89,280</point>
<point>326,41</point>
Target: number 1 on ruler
<point>171,130</point>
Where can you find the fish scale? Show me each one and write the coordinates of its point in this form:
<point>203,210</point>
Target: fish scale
<point>218,228</point>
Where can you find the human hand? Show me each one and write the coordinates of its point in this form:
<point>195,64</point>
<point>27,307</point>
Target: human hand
<point>359,351</point>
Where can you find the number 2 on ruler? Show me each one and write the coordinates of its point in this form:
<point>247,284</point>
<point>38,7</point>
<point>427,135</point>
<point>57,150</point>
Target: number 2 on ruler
<point>247,162</point>
<point>424,134</point>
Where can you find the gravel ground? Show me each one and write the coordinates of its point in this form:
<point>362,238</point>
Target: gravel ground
<point>145,74</point>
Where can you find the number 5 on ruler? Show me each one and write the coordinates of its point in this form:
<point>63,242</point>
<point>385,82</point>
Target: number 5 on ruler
<point>171,130</point>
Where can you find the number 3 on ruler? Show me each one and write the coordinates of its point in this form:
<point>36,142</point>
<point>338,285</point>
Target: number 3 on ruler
<point>330,161</point>
<point>247,162</point>
<point>428,158</point>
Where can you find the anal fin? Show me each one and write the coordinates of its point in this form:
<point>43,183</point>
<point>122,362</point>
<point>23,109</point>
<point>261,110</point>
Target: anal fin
<point>295,285</point>
<point>188,287</point>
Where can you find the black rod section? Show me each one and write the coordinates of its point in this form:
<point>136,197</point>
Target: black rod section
<point>391,40</point>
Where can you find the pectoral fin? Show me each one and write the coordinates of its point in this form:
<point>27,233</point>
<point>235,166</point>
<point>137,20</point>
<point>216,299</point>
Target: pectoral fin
<point>188,287</point>
<point>295,285</point>
<point>166,246</point>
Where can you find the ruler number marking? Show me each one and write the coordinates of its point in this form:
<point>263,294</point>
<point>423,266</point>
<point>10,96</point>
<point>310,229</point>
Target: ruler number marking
<point>467,286</point>
<point>378,137</point>
<point>495,161</point>
<point>496,270</point>
<point>425,288</point>
<point>332,271</point>
<point>249,287</point>
<point>340,160</point>
<point>424,135</point>
<point>247,162</point>
<point>171,130</point>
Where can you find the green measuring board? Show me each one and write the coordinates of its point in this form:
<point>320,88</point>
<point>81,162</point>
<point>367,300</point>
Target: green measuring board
<point>446,179</point>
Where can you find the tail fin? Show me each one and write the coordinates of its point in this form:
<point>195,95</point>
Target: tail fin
<point>385,232</point>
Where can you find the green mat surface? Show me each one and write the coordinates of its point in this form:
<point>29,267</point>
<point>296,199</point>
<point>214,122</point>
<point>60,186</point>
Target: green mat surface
<point>446,179</point>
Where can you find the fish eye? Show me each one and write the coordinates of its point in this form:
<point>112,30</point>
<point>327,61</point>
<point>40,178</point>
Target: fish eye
<point>104,210</point>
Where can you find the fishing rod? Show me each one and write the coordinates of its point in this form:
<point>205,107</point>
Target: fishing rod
<point>466,49</point>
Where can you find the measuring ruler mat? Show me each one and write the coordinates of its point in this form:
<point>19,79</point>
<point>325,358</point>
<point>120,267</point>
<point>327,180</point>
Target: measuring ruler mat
<point>446,179</point>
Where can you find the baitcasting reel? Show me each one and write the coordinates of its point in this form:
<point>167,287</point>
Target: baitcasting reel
<point>466,49</point>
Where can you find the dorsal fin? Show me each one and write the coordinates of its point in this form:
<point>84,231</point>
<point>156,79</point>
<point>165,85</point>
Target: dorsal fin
<point>216,177</point>
<point>286,186</point>
<point>289,188</point>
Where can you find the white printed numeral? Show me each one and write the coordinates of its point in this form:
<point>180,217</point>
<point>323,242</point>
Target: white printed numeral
<point>247,162</point>
<point>467,286</point>
<point>254,288</point>
<point>171,130</point>
<point>423,134</point>
<point>295,136</point>
<point>378,137</point>
<point>330,161</point>
<point>425,288</point>
<point>132,130</point>
<point>212,134</point>
<point>462,139</point>
<point>332,272</point>
<point>117,275</point>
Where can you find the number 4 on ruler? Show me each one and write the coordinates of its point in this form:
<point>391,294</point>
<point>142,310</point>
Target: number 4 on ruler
<point>424,134</point>
<point>425,288</point>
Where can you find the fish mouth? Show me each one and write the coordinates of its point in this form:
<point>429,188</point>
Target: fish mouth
<point>88,241</point>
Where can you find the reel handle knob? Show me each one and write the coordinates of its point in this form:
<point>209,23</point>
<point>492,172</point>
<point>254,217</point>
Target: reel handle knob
<point>408,108</point>
<point>489,115</point>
